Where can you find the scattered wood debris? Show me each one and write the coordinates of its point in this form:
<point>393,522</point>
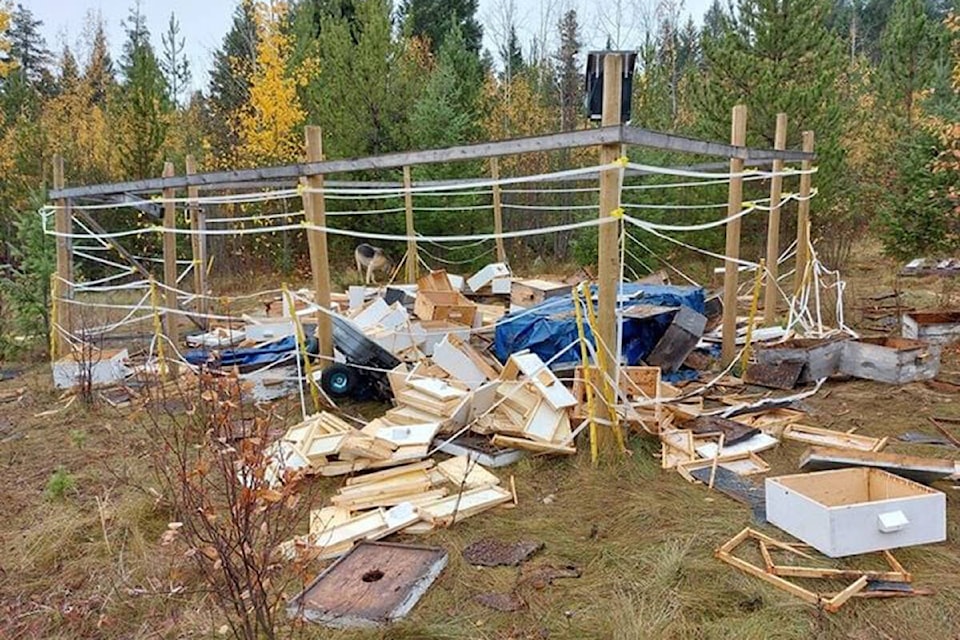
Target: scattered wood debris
<point>777,574</point>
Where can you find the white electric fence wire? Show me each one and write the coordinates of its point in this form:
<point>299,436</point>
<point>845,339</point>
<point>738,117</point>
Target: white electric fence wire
<point>343,232</point>
<point>708,175</point>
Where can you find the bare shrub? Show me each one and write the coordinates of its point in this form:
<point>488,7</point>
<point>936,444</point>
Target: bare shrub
<point>215,464</point>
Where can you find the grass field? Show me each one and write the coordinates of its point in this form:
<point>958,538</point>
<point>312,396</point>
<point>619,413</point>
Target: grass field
<point>80,555</point>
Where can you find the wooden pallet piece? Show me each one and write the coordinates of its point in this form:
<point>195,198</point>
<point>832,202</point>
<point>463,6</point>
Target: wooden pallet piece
<point>836,439</point>
<point>530,445</point>
<point>461,471</point>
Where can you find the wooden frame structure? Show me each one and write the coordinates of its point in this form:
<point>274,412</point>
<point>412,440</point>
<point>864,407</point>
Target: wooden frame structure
<point>612,138</point>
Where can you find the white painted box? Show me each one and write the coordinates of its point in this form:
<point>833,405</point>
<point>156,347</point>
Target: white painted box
<point>857,510</point>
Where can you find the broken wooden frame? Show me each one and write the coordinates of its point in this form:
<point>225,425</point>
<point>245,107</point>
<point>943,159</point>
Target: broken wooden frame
<point>776,574</point>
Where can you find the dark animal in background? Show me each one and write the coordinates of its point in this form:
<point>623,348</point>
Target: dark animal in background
<point>369,259</point>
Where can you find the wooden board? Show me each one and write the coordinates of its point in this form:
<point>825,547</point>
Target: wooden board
<point>916,468</point>
<point>461,471</point>
<point>373,585</point>
<point>464,504</point>
<point>830,438</point>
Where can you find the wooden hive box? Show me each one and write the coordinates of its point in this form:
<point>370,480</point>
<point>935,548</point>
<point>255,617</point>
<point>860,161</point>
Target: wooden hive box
<point>857,510</point>
<point>529,293</point>
<point>892,360</point>
<point>438,300</point>
<point>820,356</point>
<point>935,327</point>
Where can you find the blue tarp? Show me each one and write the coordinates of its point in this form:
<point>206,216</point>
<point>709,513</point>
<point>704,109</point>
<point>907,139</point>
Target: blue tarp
<point>246,357</point>
<point>550,326</point>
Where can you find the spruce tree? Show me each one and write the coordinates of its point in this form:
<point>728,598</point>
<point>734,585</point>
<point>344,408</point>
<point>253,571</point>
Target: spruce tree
<point>569,74</point>
<point>431,19</point>
<point>143,102</point>
<point>175,66</point>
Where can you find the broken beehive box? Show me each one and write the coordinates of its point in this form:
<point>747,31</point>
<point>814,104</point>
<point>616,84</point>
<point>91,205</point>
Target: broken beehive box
<point>891,360</point>
<point>100,367</point>
<point>438,300</point>
<point>820,357</point>
<point>934,327</point>
<point>852,511</point>
<point>530,408</point>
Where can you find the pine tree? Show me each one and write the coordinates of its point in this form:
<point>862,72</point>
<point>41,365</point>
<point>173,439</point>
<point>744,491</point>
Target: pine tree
<point>175,66</point>
<point>431,19</point>
<point>364,90</point>
<point>779,56</point>
<point>910,45</point>
<point>143,104</point>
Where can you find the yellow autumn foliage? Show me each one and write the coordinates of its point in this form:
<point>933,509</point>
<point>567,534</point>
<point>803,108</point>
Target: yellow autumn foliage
<point>5,63</point>
<point>270,127</point>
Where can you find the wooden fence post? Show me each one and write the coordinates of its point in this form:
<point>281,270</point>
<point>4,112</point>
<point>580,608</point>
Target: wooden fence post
<point>608,250</point>
<point>62,312</point>
<point>198,244</point>
<point>316,213</point>
<point>497,210</point>
<point>738,137</point>
<point>773,225</point>
<point>413,257</point>
<point>170,330</point>
<point>803,216</point>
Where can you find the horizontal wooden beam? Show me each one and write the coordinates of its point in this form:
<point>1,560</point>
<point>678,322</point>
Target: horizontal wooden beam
<point>290,174</point>
<point>535,144</point>
<point>669,142</point>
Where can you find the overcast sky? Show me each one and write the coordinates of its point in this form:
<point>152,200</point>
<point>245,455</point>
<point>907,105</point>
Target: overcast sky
<point>204,22</point>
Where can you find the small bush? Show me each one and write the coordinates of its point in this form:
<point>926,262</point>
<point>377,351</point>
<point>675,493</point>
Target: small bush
<point>59,484</point>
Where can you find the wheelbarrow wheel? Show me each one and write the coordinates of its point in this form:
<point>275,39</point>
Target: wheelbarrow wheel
<point>339,381</point>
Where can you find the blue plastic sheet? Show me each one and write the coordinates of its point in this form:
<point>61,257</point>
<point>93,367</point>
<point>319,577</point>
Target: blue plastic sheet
<point>245,357</point>
<point>552,325</point>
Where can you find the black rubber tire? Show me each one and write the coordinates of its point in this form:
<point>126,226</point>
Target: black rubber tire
<point>339,381</point>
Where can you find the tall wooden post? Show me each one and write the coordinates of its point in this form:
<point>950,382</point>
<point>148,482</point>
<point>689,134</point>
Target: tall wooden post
<point>170,265</point>
<point>198,243</point>
<point>497,210</point>
<point>62,311</point>
<point>738,137</point>
<point>773,224</point>
<point>413,258</point>
<point>608,251</point>
<point>316,212</point>
<point>803,216</point>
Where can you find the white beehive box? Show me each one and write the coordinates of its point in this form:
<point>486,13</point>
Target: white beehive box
<point>106,367</point>
<point>857,510</point>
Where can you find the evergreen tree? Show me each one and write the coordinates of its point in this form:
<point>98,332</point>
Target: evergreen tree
<point>30,79</point>
<point>69,75</point>
<point>175,66</point>
<point>230,78</point>
<point>779,56</point>
<point>447,111</point>
<point>364,90</point>
<point>511,54</point>
<point>98,72</point>
<point>29,48</point>
<point>143,104</point>
<point>431,19</point>
<point>569,75</point>
<point>910,45</point>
